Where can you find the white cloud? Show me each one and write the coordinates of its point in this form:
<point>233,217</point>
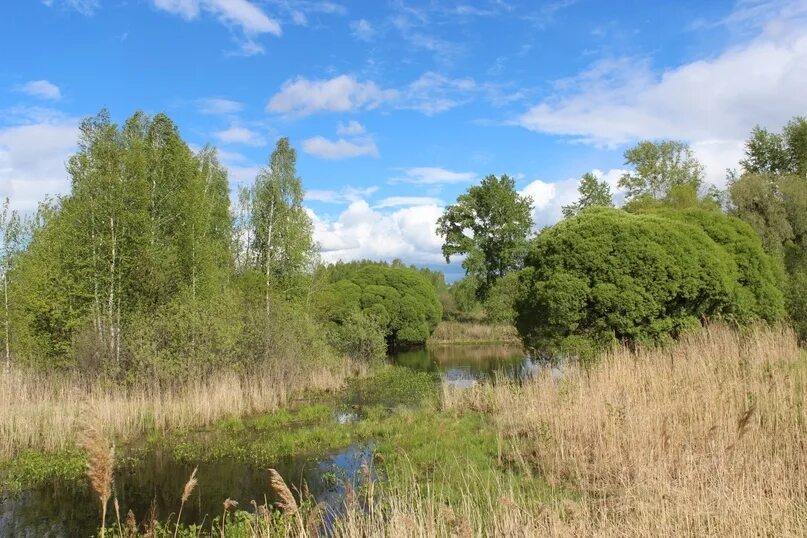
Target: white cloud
<point>344,195</point>
<point>33,157</point>
<point>85,7</point>
<point>320,146</point>
<point>350,128</point>
<point>362,29</point>
<point>243,14</point>
<point>236,134</point>
<point>218,106</point>
<point>433,93</point>
<point>187,9</point>
<point>340,94</point>
<point>432,175</point>
<point>408,233</point>
<point>713,103</point>
<point>548,198</point>
<point>397,201</point>
<point>41,88</point>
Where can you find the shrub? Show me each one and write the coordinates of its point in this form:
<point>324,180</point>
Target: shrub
<point>400,299</point>
<point>607,275</point>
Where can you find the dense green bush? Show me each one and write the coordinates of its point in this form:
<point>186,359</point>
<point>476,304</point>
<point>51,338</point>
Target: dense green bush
<point>400,299</point>
<point>607,275</point>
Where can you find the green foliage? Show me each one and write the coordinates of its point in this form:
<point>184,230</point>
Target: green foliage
<point>771,196</point>
<point>489,224</point>
<point>359,336</point>
<point>593,193</point>
<point>658,167</point>
<point>400,300</point>
<point>607,275</point>
<point>500,304</point>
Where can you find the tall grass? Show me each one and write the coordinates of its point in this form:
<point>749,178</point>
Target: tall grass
<point>707,438</point>
<point>469,332</point>
<point>43,411</point>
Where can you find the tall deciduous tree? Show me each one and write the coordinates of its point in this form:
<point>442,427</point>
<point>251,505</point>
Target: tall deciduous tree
<point>593,193</point>
<point>489,224</point>
<point>659,167</point>
<point>282,230</point>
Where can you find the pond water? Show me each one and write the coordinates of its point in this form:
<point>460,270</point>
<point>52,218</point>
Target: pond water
<point>71,510</point>
<point>467,365</point>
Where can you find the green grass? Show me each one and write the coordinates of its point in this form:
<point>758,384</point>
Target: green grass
<point>33,469</point>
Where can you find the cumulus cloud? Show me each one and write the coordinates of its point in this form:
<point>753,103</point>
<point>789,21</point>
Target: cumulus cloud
<point>397,201</point>
<point>712,103</point>
<point>433,175</point>
<point>33,156</point>
<point>548,198</point>
<point>408,233</point>
<point>218,106</point>
<point>324,148</point>
<point>237,134</point>
<point>343,93</point>
<point>41,88</point>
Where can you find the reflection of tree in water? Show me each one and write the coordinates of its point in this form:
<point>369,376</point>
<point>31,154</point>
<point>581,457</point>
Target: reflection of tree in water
<point>70,509</point>
<point>474,361</point>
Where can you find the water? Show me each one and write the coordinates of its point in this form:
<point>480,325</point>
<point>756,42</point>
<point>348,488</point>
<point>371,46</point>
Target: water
<point>464,366</point>
<point>71,510</point>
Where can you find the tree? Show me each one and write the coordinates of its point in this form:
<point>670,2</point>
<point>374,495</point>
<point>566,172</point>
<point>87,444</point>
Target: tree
<point>282,230</point>
<point>658,167</point>
<point>489,224</point>
<point>592,193</point>
<point>607,276</point>
<point>11,235</point>
<point>777,154</point>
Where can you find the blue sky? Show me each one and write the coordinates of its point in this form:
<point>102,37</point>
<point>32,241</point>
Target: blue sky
<point>397,107</point>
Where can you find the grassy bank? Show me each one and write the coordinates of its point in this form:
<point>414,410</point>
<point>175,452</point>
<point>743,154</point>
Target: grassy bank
<point>471,332</point>
<point>702,439</point>
<point>44,412</point>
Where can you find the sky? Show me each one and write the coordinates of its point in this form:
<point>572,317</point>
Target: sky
<point>395,108</point>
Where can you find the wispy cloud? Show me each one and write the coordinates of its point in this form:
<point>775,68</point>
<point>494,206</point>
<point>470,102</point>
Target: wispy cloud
<point>41,88</point>
<point>344,195</point>
<point>237,134</point>
<point>324,148</point>
<point>218,106</point>
<point>398,201</point>
<point>242,14</point>
<point>433,175</point>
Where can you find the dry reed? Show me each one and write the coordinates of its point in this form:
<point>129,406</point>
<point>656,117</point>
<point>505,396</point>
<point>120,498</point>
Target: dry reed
<point>186,494</point>
<point>42,411</point>
<point>706,438</point>
<point>100,463</point>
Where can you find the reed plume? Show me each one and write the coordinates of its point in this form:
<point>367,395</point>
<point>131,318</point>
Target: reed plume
<point>287,502</point>
<point>229,504</point>
<point>186,494</point>
<point>100,461</point>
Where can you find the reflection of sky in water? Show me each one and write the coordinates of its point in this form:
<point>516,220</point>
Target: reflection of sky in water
<point>465,366</point>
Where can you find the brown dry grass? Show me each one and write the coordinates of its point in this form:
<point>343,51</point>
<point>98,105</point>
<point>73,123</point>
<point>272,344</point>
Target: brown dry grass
<point>708,438</point>
<point>43,411</point>
<point>467,332</point>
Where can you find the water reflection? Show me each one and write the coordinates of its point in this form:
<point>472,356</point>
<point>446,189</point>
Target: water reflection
<point>464,366</point>
<point>70,510</point>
